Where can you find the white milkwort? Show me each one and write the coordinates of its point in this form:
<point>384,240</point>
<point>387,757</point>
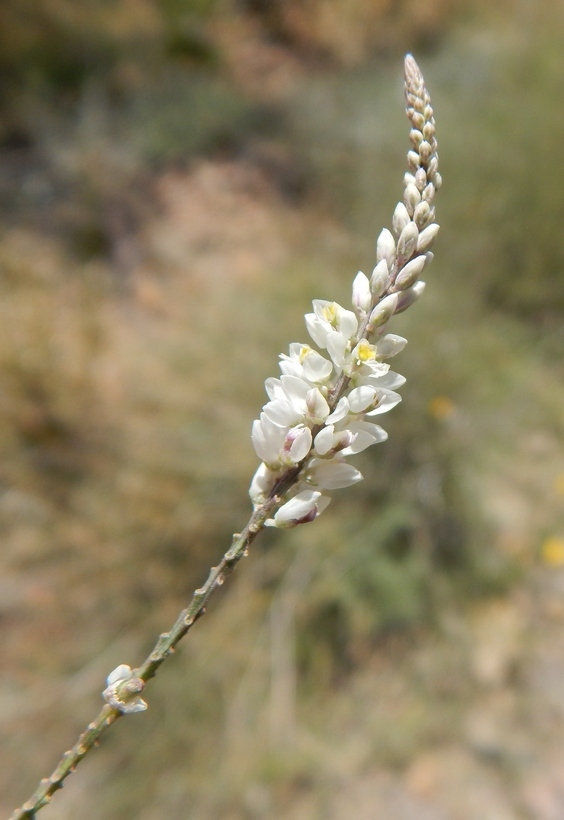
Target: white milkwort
<point>320,410</point>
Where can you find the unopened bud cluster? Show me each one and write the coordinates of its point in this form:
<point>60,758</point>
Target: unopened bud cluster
<point>321,409</point>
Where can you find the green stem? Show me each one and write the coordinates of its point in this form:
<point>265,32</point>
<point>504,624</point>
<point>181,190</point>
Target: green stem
<point>163,648</point>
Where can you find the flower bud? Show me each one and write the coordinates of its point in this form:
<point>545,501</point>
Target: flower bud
<point>410,273</point>
<point>413,160</point>
<point>416,137</point>
<point>409,296</point>
<point>407,241</point>
<point>428,192</point>
<point>411,198</point>
<point>420,179</point>
<point>427,237</point>
<point>421,214</point>
<point>361,294</point>
<point>400,218</point>
<point>386,247</point>
<point>380,279</point>
<point>383,311</point>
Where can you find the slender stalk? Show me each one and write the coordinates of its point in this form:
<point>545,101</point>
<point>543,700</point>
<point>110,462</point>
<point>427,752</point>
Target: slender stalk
<point>163,648</point>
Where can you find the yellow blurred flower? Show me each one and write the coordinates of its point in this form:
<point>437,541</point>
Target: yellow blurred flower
<point>552,551</point>
<point>441,407</point>
<point>558,484</point>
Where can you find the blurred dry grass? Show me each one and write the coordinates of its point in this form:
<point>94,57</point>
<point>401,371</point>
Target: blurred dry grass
<point>179,180</point>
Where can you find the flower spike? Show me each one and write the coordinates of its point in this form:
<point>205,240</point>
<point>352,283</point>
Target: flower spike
<point>319,409</point>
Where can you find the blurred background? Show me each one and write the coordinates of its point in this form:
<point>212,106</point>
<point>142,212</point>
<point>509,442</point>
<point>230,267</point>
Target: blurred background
<point>179,178</point>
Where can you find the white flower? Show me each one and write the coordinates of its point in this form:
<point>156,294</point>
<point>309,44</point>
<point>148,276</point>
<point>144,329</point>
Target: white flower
<point>384,400</point>
<point>297,444</point>
<point>328,442</point>
<point>337,347</point>
<point>123,690</point>
<point>390,345</point>
<point>363,434</point>
<point>388,379</point>
<point>329,317</point>
<point>268,439</point>
<point>276,445</point>
<point>305,362</point>
<point>262,484</point>
<point>301,509</point>
<point>330,474</point>
<point>294,401</point>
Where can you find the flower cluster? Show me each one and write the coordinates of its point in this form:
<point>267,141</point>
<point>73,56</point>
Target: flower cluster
<point>321,409</point>
<point>123,690</point>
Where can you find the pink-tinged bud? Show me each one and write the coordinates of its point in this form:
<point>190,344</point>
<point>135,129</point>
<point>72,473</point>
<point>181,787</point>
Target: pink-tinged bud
<point>297,443</point>
<point>301,509</point>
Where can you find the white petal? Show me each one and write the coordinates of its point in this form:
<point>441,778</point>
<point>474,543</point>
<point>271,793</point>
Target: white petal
<point>340,411</point>
<point>282,413</point>
<point>337,348</point>
<point>294,387</point>
<point>360,398</point>
<point>388,399</point>
<point>273,388</point>
<point>388,380</point>
<point>390,345</point>
<point>324,440</point>
<point>317,407</point>
<point>332,475</point>
<point>263,481</point>
<point>301,445</point>
<point>366,435</point>
<point>291,368</point>
<point>316,367</point>
<point>120,673</point>
<point>316,329</point>
<point>268,439</point>
<point>348,324</point>
<point>294,511</point>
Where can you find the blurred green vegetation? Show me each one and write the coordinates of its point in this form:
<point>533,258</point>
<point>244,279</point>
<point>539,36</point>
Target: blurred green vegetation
<point>179,180</point>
